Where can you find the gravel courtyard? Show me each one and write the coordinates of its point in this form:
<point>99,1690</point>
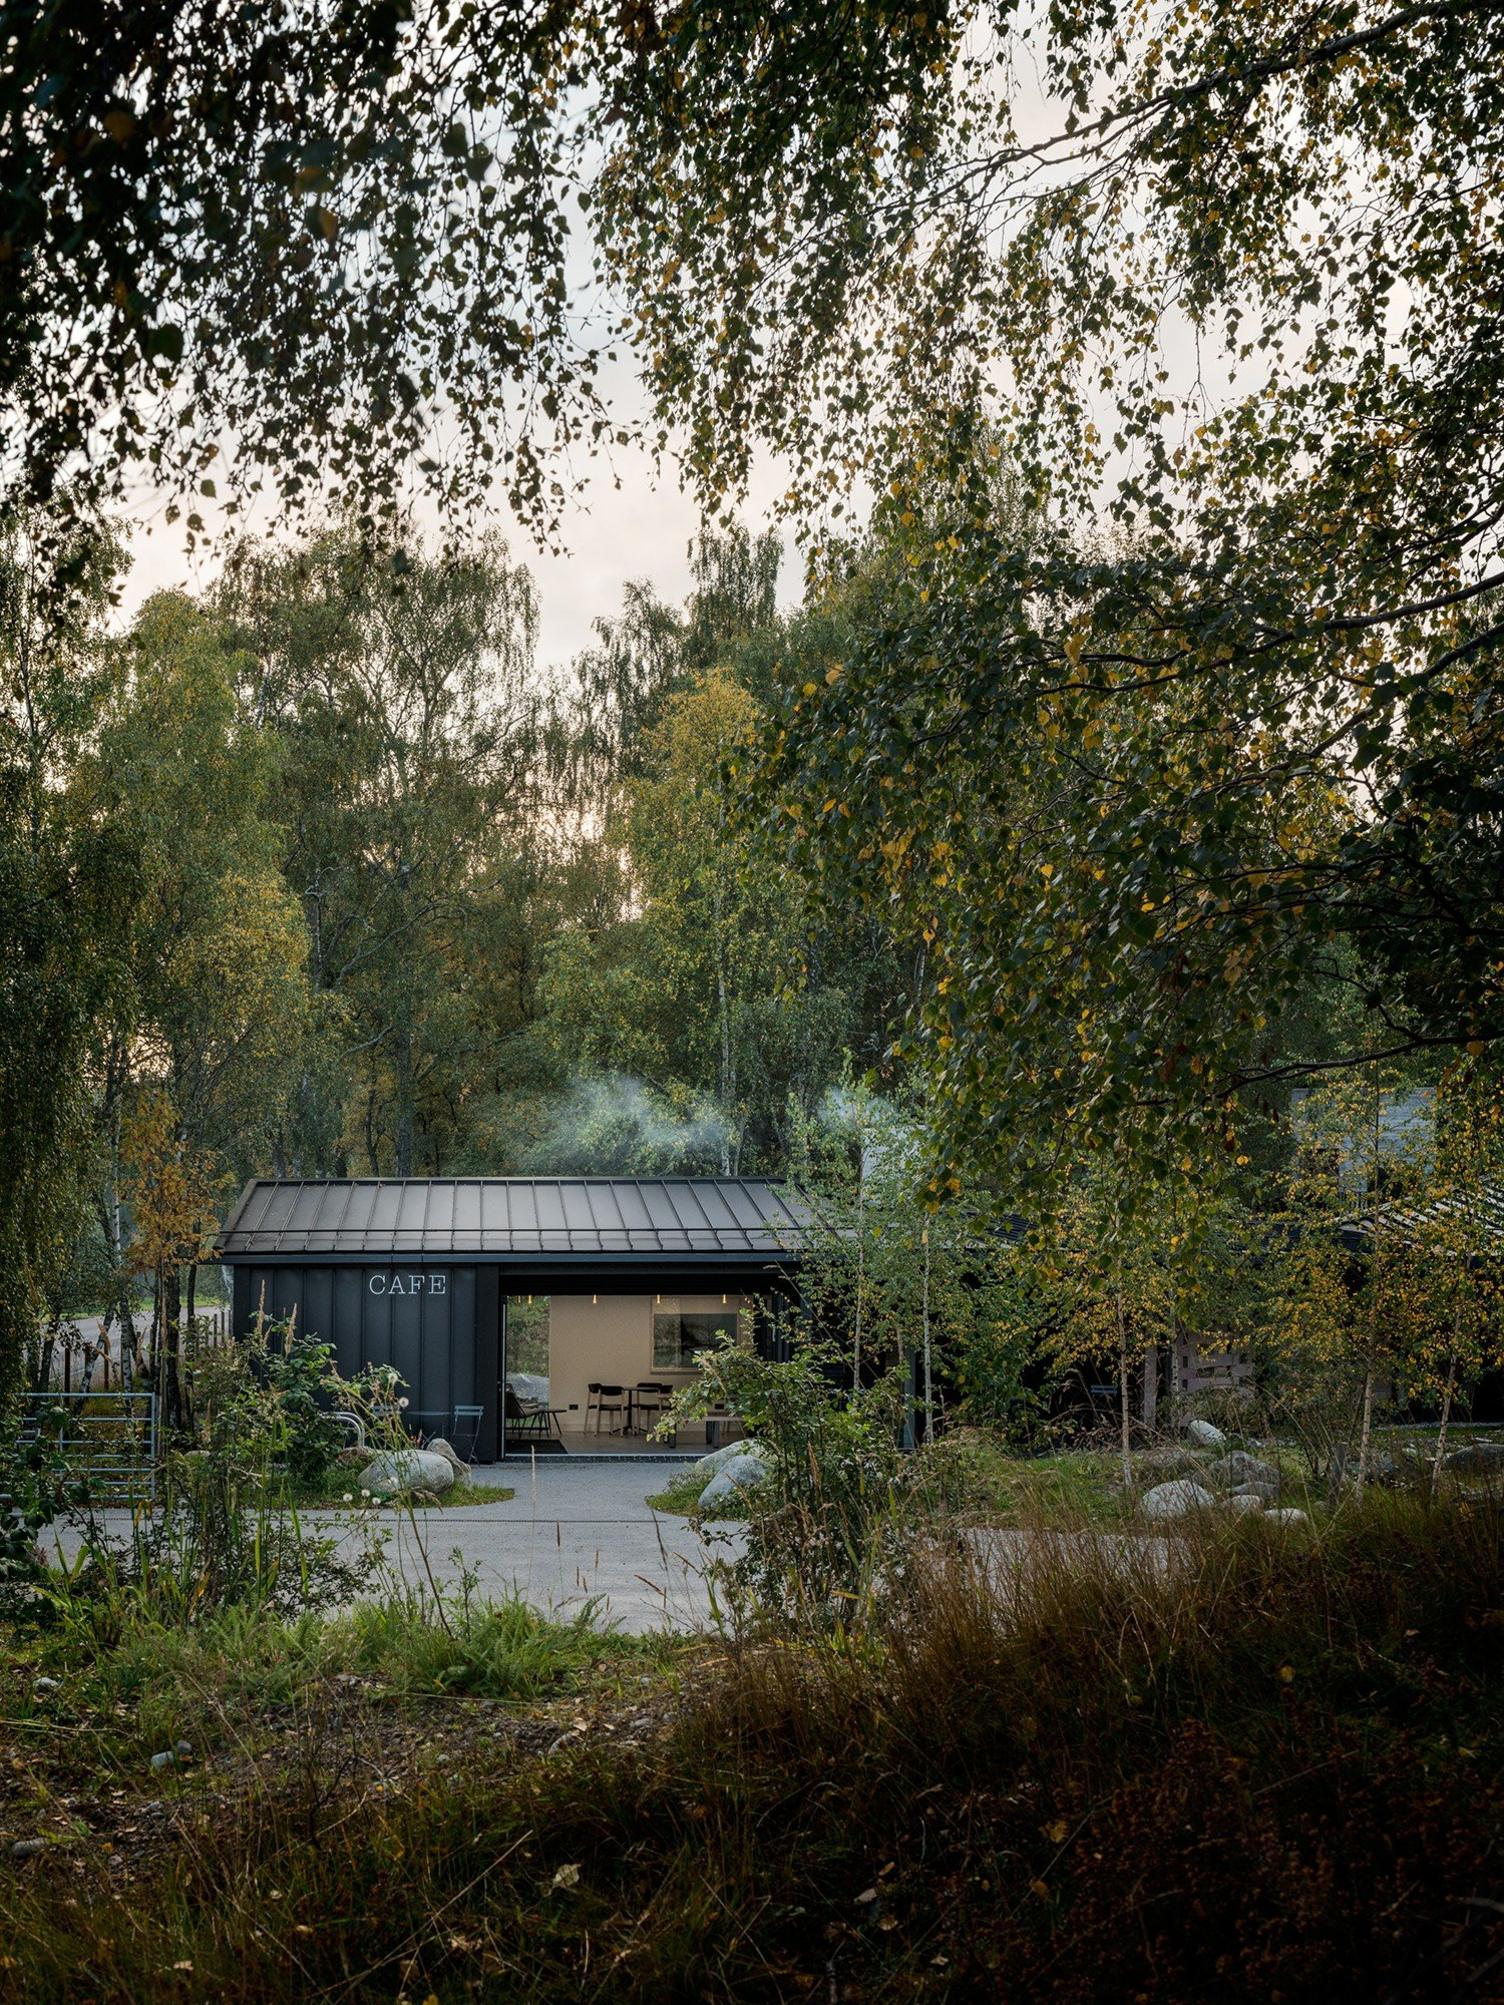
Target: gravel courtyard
<point>573,1533</point>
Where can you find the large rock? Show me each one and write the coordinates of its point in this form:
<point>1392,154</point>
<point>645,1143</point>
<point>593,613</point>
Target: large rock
<point>397,1470</point>
<point>1288,1516</point>
<point>733,1479</point>
<point>730,1451</point>
<point>1239,1471</point>
<point>1201,1434</point>
<point>1241,1502</point>
<point>1477,1458</point>
<point>1175,1500</point>
<point>439,1446</point>
<point>1164,1463</point>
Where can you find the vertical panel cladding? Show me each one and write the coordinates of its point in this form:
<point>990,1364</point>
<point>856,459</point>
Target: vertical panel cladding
<point>347,1328</point>
<point>375,1321</point>
<point>241,1299</point>
<point>317,1319</point>
<point>466,1386</point>
<point>487,1355</point>
<point>285,1296</point>
<point>407,1341</point>
<point>431,1394</point>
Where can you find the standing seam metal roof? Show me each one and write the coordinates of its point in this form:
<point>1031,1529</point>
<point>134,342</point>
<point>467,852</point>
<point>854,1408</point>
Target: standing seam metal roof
<point>518,1217</point>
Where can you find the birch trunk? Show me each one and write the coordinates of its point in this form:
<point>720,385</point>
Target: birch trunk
<point>929,1381</point>
<point>1124,1408</point>
<point>1446,1414</point>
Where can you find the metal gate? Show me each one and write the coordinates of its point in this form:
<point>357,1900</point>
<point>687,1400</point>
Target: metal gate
<point>108,1439</point>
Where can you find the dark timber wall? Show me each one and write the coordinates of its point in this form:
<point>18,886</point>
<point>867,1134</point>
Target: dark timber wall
<point>437,1324</point>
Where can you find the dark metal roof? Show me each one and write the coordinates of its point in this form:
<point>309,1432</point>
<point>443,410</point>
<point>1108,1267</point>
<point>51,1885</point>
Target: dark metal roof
<point>537,1220</point>
<point>1469,1222</point>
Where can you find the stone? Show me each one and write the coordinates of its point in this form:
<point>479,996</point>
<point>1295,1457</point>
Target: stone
<point>1477,1458</point>
<point>166,1759</point>
<point>721,1490</point>
<point>398,1470</point>
<point>1242,1468</point>
<point>183,1749</point>
<point>44,1686</point>
<point>717,1459</point>
<point>1175,1500</point>
<point>745,1471</point>
<point>439,1446</point>
<point>356,1458</point>
<point>1288,1516</point>
<point>1241,1502</point>
<point>28,1848</point>
<point>1168,1461</point>
<point>1201,1434</point>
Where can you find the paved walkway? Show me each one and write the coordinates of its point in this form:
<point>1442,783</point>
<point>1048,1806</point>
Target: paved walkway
<point>572,1535</point>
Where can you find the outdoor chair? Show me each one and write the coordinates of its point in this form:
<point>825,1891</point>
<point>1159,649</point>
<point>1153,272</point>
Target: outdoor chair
<point>523,1421</point>
<point>464,1430</point>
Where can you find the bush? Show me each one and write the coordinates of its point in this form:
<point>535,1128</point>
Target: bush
<point>304,1384</point>
<point>820,1524</point>
<point>36,1487</point>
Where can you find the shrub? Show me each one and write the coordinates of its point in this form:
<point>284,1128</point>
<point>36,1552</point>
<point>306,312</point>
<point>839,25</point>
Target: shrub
<point>820,1523</point>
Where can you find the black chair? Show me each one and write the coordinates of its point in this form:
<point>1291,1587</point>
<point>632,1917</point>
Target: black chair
<point>610,1399</point>
<point>650,1402</point>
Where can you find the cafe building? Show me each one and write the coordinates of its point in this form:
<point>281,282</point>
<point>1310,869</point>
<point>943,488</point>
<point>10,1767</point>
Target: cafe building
<point>552,1315</point>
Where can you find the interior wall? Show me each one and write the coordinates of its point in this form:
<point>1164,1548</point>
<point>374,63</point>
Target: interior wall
<point>610,1338</point>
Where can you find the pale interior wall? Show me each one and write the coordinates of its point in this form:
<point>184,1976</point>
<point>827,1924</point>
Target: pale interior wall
<point>611,1339</point>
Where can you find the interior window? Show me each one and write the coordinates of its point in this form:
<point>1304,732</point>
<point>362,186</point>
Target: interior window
<point>678,1338</point>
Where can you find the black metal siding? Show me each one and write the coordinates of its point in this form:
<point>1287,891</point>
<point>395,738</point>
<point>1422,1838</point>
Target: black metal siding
<point>373,1315</point>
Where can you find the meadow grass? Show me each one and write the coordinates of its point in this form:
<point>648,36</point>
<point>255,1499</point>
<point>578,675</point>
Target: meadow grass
<point>1071,1766</point>
<point>680,1498</point>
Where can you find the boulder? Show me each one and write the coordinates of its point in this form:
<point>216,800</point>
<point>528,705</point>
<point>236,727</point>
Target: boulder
<point>734,1478</point>
<point>720,1490</point>
<point>1382,1467</point>
<point>1477,1458</point>
<point>397,1470</point>
<point>1249,1468</point>
<point>355,1458</point>
<point>439,1446</point>
<point>1201,1434</point>
<point>1175,1500</point>
<point>1164,1463</point>
<point>730,1451</point>
<point>745,1471</point>
<point>1288,1516</point>
<point>1241,1502</point>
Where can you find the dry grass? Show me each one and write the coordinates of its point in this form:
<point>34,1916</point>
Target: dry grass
<point>1270,1769</point>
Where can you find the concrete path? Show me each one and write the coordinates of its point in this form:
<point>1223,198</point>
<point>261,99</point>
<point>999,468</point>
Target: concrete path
<point>571,1536</point>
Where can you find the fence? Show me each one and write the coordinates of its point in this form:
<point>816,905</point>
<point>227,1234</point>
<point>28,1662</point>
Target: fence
<point>107,1439</point>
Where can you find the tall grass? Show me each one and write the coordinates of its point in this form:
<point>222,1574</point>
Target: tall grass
<point>1063,1768</point>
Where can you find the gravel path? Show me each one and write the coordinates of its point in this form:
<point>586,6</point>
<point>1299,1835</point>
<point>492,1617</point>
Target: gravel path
<point>572,1535</point>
